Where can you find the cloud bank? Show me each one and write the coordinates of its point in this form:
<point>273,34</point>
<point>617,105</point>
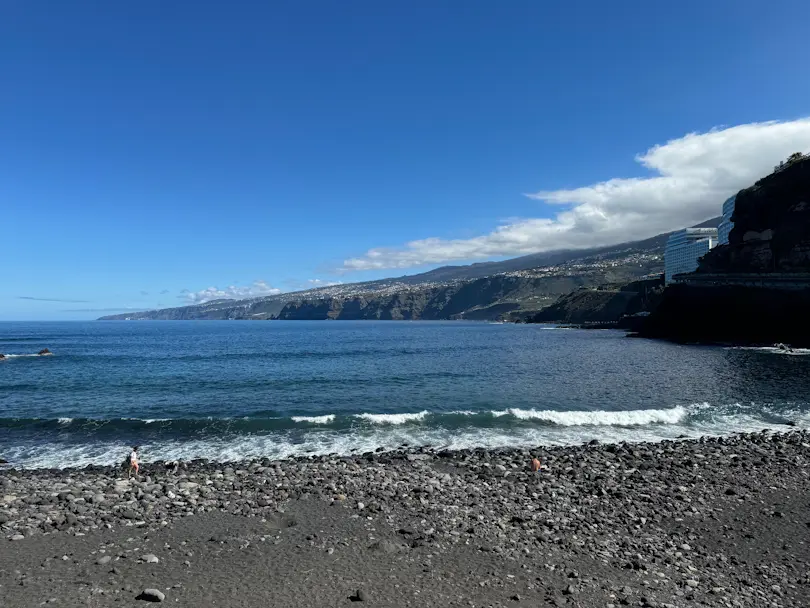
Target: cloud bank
<point>692,176</point>
<point>232,292</point>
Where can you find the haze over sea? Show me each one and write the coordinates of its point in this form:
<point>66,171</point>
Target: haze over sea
<point>230,390</point>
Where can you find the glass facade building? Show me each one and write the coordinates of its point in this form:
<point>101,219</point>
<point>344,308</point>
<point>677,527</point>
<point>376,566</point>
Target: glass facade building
<point>684,249</point>
<point>724,229</point>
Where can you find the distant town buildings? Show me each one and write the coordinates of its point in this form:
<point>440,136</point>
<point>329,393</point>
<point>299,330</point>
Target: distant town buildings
<point>724,229</point>
<point>684,249</point>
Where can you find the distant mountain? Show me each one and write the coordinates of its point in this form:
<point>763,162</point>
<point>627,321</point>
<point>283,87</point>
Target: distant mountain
<point>488,290</point>
<point>536,260</point>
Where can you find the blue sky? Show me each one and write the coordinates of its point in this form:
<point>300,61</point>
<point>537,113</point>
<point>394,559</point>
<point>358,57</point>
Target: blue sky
<point>150,151</point>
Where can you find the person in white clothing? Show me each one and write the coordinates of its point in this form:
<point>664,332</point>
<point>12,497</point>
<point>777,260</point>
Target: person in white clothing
<point>133,461</point>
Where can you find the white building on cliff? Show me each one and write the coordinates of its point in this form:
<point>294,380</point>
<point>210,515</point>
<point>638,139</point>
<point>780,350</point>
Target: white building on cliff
<point>724,229</point>
<point>685,248</point>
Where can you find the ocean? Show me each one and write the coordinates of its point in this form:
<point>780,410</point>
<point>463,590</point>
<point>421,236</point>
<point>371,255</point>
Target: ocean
<point>233,390</point>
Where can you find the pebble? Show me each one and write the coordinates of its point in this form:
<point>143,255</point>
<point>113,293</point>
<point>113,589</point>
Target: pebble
<point>150,558</point>
<point>621,504</point>
<point>151,595</point>
<point>569,590</point>
<point>358,596</point>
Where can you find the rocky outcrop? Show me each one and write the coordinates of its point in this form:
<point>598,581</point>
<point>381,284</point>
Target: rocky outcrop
<point>756,289</point>
<point>731,315</point>
<point>771,226</point>
<point>606,304</point>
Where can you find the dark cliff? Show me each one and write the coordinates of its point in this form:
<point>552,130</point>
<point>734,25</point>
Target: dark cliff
<point>488,298</point>
<point>606,304</point>
<point>771,226</point>
<point>756,289</point>
<point>731,314</point>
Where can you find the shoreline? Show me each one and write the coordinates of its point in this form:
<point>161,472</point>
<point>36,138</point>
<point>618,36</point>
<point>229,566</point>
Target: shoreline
<point>77,444</point>
<point>405,452</point>
<point>716,521</point>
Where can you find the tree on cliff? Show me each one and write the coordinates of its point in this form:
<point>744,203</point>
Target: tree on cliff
<point>795,157</point>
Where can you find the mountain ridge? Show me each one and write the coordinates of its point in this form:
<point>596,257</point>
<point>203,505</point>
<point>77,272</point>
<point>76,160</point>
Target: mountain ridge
<point>525,283</point>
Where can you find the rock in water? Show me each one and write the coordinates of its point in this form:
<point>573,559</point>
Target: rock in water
<point>151,595</point>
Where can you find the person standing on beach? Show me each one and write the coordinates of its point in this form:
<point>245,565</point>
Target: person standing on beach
<point>133,461</point>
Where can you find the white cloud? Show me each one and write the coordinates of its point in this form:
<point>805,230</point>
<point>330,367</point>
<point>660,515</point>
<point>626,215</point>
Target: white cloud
<point>322,283</point>
<point>257,289</point>
<point>692,176</point>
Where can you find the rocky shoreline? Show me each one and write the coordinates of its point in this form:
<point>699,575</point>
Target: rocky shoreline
<point>709,522</point>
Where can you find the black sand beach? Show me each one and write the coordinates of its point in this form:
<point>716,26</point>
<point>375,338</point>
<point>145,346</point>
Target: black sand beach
<point>714,522</point>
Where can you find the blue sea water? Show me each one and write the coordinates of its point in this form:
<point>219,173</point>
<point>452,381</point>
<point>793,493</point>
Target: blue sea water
<point>229,390</point>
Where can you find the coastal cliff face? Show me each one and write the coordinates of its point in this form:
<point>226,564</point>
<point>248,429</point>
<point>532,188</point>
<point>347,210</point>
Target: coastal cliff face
<point>510,289</point>
<point>731,315</point>
<point>756,289</point>
<point>602,305</point>
<point>487,298</point>
<point>771,226</point>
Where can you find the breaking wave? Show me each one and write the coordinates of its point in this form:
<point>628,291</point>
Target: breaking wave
<point>580,418</point>
<point>774,350</point>
<point>65,441</point>
<point>392,418</point>
<point>315,419</point>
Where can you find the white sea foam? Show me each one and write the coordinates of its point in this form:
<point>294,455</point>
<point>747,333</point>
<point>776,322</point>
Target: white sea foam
<point>774,350</point>
<point>328,441</point>
<point>65,420</point>
<point>598,418</point>
<point>392,418</point>
<point>700,419</point>
<point>327,419</point>
<point>21,356</point>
